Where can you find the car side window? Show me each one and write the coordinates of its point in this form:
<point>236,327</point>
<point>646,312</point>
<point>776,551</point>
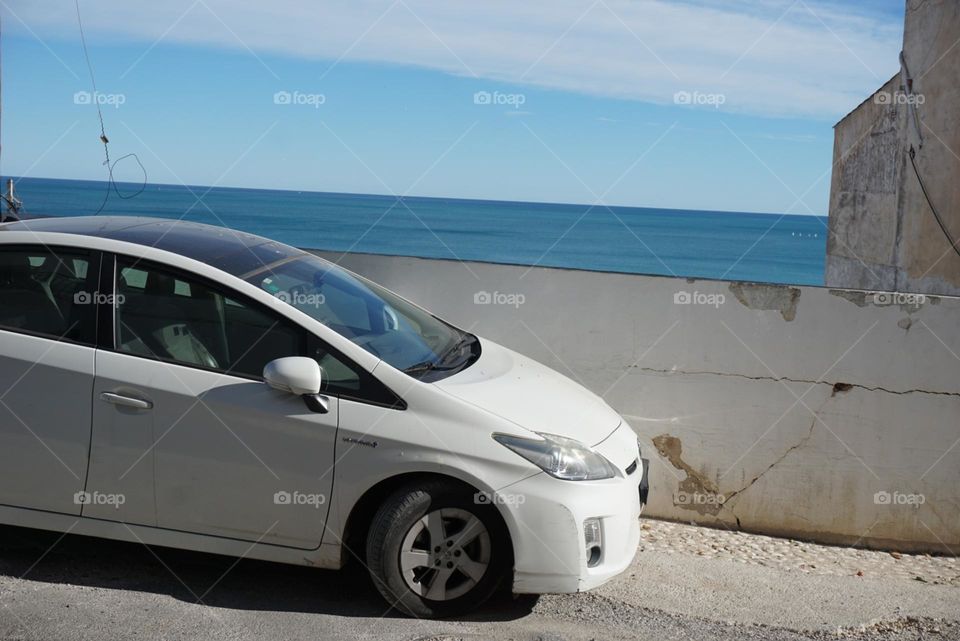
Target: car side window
<point>164,314</point>
<point>167,315</point>
<point>49,291</point>
<point>341,377</point>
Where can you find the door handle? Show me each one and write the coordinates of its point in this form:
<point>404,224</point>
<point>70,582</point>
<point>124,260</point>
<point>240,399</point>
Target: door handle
<point>126,401</point>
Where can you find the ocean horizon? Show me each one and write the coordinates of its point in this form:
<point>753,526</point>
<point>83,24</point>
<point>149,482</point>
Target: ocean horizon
<point>762,247</point>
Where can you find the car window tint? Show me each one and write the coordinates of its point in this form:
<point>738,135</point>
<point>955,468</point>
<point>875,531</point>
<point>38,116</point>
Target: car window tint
<point>346,310</point>
<point>347,380</point>
<point>46,291</point>
<point>337,376</point>
<point>132,277</point>
<point>169,316</point>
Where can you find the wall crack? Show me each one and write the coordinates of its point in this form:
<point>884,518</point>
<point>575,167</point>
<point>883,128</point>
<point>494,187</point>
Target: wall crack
<point>806,439</point>
<point>837,385</point>
<point>696,484</point>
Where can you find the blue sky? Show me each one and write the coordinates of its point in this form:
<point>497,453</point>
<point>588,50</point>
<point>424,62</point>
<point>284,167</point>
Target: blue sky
<point>699,105</point>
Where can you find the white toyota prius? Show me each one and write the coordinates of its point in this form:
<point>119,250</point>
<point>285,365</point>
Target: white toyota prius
<point>191,386</point>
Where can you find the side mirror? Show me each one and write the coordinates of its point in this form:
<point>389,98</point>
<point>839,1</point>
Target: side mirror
<point>294,374</point>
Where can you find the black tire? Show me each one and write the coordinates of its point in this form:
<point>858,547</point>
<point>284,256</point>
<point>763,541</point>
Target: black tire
<point>396,520</point>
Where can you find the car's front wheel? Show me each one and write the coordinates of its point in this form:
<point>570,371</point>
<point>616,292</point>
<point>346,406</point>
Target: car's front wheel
<point>434,551</point>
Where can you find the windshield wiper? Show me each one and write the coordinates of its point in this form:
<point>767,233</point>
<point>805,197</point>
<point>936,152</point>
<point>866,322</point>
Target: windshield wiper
<point>442,364</point>
<point>467,340</point>
<point>426,366</point>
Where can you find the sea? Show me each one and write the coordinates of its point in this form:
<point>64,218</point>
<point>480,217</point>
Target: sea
<point>772,248</point>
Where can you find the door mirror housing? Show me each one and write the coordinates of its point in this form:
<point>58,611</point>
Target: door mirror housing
<point>294,374</point>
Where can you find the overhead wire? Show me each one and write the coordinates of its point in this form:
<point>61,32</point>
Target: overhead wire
<point>914,119</point>
<point>95,99</point>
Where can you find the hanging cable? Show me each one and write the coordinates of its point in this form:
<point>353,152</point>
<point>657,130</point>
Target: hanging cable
<point>13,205</point>
<point>914,119</point>
<point>111,183</point>
<point>936,214</point>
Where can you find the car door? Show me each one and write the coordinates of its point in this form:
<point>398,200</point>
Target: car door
<point>47,336</point>
<point>180,406</point>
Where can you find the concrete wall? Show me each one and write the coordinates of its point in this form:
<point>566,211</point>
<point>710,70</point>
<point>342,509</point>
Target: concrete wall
<point>864,206</point>
<point>783,410</point>
<point>883,234</point>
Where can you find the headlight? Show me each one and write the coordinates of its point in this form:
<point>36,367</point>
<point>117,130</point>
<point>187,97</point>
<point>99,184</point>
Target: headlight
<point>560,457</point>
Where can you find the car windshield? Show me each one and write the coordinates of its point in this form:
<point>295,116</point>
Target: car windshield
<point>387,326</point>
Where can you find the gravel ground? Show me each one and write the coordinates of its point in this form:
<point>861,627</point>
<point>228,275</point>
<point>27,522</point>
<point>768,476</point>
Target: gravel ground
<point>797,556</point>
<point>78,588</point>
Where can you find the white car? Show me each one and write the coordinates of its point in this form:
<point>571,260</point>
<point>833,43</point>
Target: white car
<point>191,386</point>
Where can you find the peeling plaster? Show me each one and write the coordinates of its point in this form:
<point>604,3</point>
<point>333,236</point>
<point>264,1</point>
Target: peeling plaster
<point>695,484</point>
<point>725,503</point>
<point>862,299</point>
<point>729,497</point>
<point>780,298</point>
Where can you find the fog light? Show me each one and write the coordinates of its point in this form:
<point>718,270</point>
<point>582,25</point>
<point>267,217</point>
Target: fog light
<point>593,540</point>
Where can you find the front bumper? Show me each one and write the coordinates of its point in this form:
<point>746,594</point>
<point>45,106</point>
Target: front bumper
<point>546,521</point>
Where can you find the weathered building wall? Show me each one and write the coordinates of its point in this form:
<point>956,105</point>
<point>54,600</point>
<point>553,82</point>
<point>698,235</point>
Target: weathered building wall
<point>883,234</point>
<point>803,411</point>
<point>864,207</point>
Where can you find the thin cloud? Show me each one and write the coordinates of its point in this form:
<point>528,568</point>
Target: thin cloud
<point>789,58</point>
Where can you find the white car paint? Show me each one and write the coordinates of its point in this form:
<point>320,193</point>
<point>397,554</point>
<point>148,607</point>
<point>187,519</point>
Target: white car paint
<point>200,460</point>
<point>532,396</point>
<point>43,456</point>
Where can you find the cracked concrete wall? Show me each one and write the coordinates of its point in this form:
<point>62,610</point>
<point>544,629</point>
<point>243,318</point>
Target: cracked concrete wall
<point>882,232</point>
<point>801,411</point>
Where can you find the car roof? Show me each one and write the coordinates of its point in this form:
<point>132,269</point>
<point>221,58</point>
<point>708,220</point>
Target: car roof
<point>234,252</point>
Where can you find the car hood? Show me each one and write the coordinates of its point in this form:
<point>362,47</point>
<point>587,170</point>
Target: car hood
<point>533,396</point>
